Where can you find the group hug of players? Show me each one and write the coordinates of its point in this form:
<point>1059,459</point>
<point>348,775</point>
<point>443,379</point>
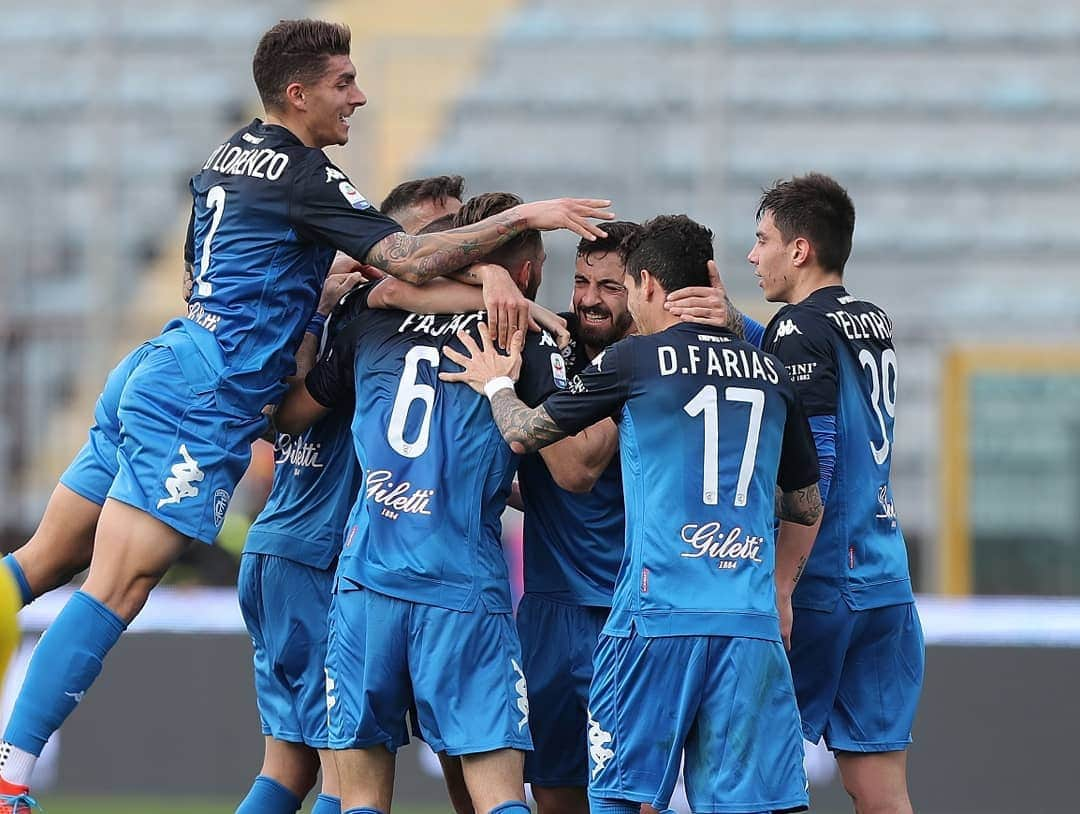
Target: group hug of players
<point>713,565</point>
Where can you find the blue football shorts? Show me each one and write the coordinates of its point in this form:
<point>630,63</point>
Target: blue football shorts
<point>285,606</point>
<point>557,645</point>
<point>724,704</point>
<point>169,446</point>
<point>858,675</point>
<point>462,670</point>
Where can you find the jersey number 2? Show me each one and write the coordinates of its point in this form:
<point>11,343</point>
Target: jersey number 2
<point>215,202</point>
<point>410,390</point>
<point>706,402</point>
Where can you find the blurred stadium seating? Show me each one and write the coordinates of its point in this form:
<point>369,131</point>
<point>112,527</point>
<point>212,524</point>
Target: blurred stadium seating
<point>954,125</point>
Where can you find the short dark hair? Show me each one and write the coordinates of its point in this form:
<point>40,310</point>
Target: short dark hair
<point>617,232</point>
<point>295,51</point>
<point>675,250</point>
<point>483,206</point>
<point>409,193</point>
<point>815,207</point>
<point>438,225</point>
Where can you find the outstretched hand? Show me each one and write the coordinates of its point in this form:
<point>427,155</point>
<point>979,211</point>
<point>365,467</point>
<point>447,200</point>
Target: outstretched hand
<point>480,364</point>
<point>567,213</point>
<point>703,304</point>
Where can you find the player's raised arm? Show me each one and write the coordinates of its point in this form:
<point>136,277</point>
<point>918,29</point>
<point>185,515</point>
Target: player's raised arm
<point>419,258</point>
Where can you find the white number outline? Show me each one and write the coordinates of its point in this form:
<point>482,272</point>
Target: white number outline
<point>409,390</point>
<point>880,393</point>
<point>215,202</point>
<point>705,401</point>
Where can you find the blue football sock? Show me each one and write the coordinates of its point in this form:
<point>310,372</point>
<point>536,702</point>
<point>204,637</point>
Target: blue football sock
<point>20,578</point>
<point>64,665</point>
<point>325,804</point>
<point>362,811</point>
<point>510,807</point>
<point>267,796</point>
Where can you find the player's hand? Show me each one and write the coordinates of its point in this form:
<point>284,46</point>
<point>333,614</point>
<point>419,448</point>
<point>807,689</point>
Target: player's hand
<point>189,281</point>
<point>483,363</point>
<point>337,286</point>
<point>507,308</point>
<point>704,304</point>
<point>567,213</point>
<point>783,607</point>
<point>543,319</point>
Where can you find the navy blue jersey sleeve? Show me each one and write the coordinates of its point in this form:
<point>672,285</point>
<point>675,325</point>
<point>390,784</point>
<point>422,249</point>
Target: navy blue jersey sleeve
<point>332,381</point>
<point>543,369</point>
<point>189,241</point>
<point>798,456</point>
<point>599,391</point>
<point>326,208</point>
<point>801,340</point>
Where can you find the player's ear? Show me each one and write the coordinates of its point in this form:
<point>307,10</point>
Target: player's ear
<point>800,251</point>
<point>294,96</point>
<point>648,282</point>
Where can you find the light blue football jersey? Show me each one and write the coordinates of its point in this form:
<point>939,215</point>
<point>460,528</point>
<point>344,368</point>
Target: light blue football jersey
<point>708,427</point>
<point>426,526</point>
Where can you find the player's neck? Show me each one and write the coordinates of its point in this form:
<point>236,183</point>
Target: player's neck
<point>294,127</point>
<point>811,281</point>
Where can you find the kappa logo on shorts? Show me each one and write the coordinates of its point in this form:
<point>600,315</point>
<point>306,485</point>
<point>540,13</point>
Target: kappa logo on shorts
<point>523,694</point>
<point>184,475</point>
<point>331,688</point>
<point>598,746</point>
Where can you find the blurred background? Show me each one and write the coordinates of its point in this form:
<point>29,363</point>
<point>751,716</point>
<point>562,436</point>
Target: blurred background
<point>954,125</point>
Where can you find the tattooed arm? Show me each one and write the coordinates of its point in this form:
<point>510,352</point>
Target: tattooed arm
<point>419,258</point>
<point>525,429</point>
<point>800,518</point>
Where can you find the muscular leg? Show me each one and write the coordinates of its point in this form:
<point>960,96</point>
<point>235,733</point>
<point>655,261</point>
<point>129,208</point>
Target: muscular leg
<point>494,777</point>
<point>366,777</point>
<point>331,787</point>
<point>132,550</point>
<point>562,800</point>
<point>293,765</point>
<point>876,781</point>
<point>455,784</point>
<point>63,543</point>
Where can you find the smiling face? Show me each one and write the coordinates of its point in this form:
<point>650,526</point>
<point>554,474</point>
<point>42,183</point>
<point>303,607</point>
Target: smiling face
<point>771,257</point>
<point>600,299</point>
<point>330,101</point>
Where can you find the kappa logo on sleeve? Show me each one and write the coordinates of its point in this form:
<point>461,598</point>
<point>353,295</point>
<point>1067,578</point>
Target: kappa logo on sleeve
<point>353,196</point>
<point>333,174</point>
